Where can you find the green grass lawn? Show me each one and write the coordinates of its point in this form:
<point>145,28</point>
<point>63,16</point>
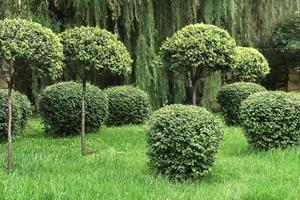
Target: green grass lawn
<point>52,168</point>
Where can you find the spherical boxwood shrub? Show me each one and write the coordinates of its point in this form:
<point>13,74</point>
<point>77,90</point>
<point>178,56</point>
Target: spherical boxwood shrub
<point>21,111</point>
<point>182,141</point>
<point>60,108</point>
<point>127,105</point>
<point>231,96</point>
<point>271,119</point>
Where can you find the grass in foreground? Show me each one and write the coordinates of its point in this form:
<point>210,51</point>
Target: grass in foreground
<point>52,168</point>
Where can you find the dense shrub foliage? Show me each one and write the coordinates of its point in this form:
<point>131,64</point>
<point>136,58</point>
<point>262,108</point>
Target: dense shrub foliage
<point>250,65</point>
<point>271,119</point>
<point>183,141</point>
<point>127,105</point>
<point>61,111</point>
<point>21,111</point>
<point>198,50</point>
<point>231,96</point>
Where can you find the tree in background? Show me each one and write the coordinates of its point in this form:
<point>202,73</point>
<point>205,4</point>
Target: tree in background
<point>286,38</point>
<point>250,66</point>
<point>29,42</point>
<point>196,51</point>
<point>90,50</point>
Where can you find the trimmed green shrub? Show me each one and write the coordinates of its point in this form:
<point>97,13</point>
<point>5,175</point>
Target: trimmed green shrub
<point>127,105</point>
<point>230,98</point>
<point>182,141</point>
<point>60,108</point>
<point>21,111</point>
<point>196,51</point>
<point>271,119</point>
<point>250,66</point>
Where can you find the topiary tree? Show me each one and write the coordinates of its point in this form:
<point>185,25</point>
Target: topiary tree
<point>29,42</point>
<point>90,49</point>
<point>271,119</point>
<point>231,96</point>
<point>250,66</point>
<point>286,38</point>
<point>60,108</point>
<point>127,105</point>
<point>198,50</point>
<point>183,141</point>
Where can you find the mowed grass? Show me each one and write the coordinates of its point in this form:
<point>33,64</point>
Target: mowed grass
<point>52,168</point>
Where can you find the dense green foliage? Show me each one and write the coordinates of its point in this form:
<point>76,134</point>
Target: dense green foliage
<point>271,119</point>
<point>183,141</point>
<point>197,51</point>
<point>250,65</point>
<point>29,42</point>
<point>60,108</point>
<point>287,37</point>
<point>231,96</point>
<point>91,48</point>
<point>21,111</point>
<point>127,105</point>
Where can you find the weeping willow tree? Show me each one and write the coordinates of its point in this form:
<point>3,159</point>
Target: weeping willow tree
<point>143,24</point>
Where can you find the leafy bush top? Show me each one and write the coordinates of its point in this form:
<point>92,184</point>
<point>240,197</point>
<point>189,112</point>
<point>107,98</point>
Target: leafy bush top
<point>95,48</point>
<point>286,37</point>
<point>60,108</point>
<point>231,96</point>
<point>29,41</point>
<point>182,141</point>
<point>250,66</point>
<point>127,105</point>
<point>198,46</point>
<point>271,119</point>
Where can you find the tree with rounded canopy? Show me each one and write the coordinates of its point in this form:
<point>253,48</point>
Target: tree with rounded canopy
<point>250,66</point>
<point>198,50</point>
<point>286,38</point>
<point>90,49</point>
<point>27,42</point>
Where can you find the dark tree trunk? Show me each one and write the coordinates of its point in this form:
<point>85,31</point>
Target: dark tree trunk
<point>83,140</point>
<point>9,131</point>
<point>194,92</point>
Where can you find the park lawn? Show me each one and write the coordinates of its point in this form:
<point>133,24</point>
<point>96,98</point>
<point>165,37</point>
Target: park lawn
<point>52,168</point>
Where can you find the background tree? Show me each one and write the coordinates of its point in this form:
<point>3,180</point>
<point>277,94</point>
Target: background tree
<point>250,66</point>
<point>33,45</point>
<point>286,38</point>
<point>196,51</point>
<point>90,50</point>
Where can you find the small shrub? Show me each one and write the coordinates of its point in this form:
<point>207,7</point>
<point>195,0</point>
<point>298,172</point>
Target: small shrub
<point>271,119</point>
<point>250,65</point>
<point>127,105</point>
<point>60,108</point>
<point>21,111</point>
<point>231,96</point>
<point>182,141</point>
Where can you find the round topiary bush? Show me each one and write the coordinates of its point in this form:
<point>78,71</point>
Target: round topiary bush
<point>231,96</point>
<point>271,119</point>
<point>127,105</point>
<point>21,111</point>
<point>60,108</point>
<point>250,65</point>
<point>182,141</point>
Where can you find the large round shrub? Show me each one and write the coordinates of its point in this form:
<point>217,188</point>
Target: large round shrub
<point>21,111</point>
<point>182,141</point>
<point>127,105</point>
<point>231,96</point>
<point>250,65</point>
<point>271,119</point>
<point>60,108</point>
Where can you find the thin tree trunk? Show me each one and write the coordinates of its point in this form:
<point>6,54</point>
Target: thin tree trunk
<point>194,88</point>
<point>9,134</point>
<point>83,140</point>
